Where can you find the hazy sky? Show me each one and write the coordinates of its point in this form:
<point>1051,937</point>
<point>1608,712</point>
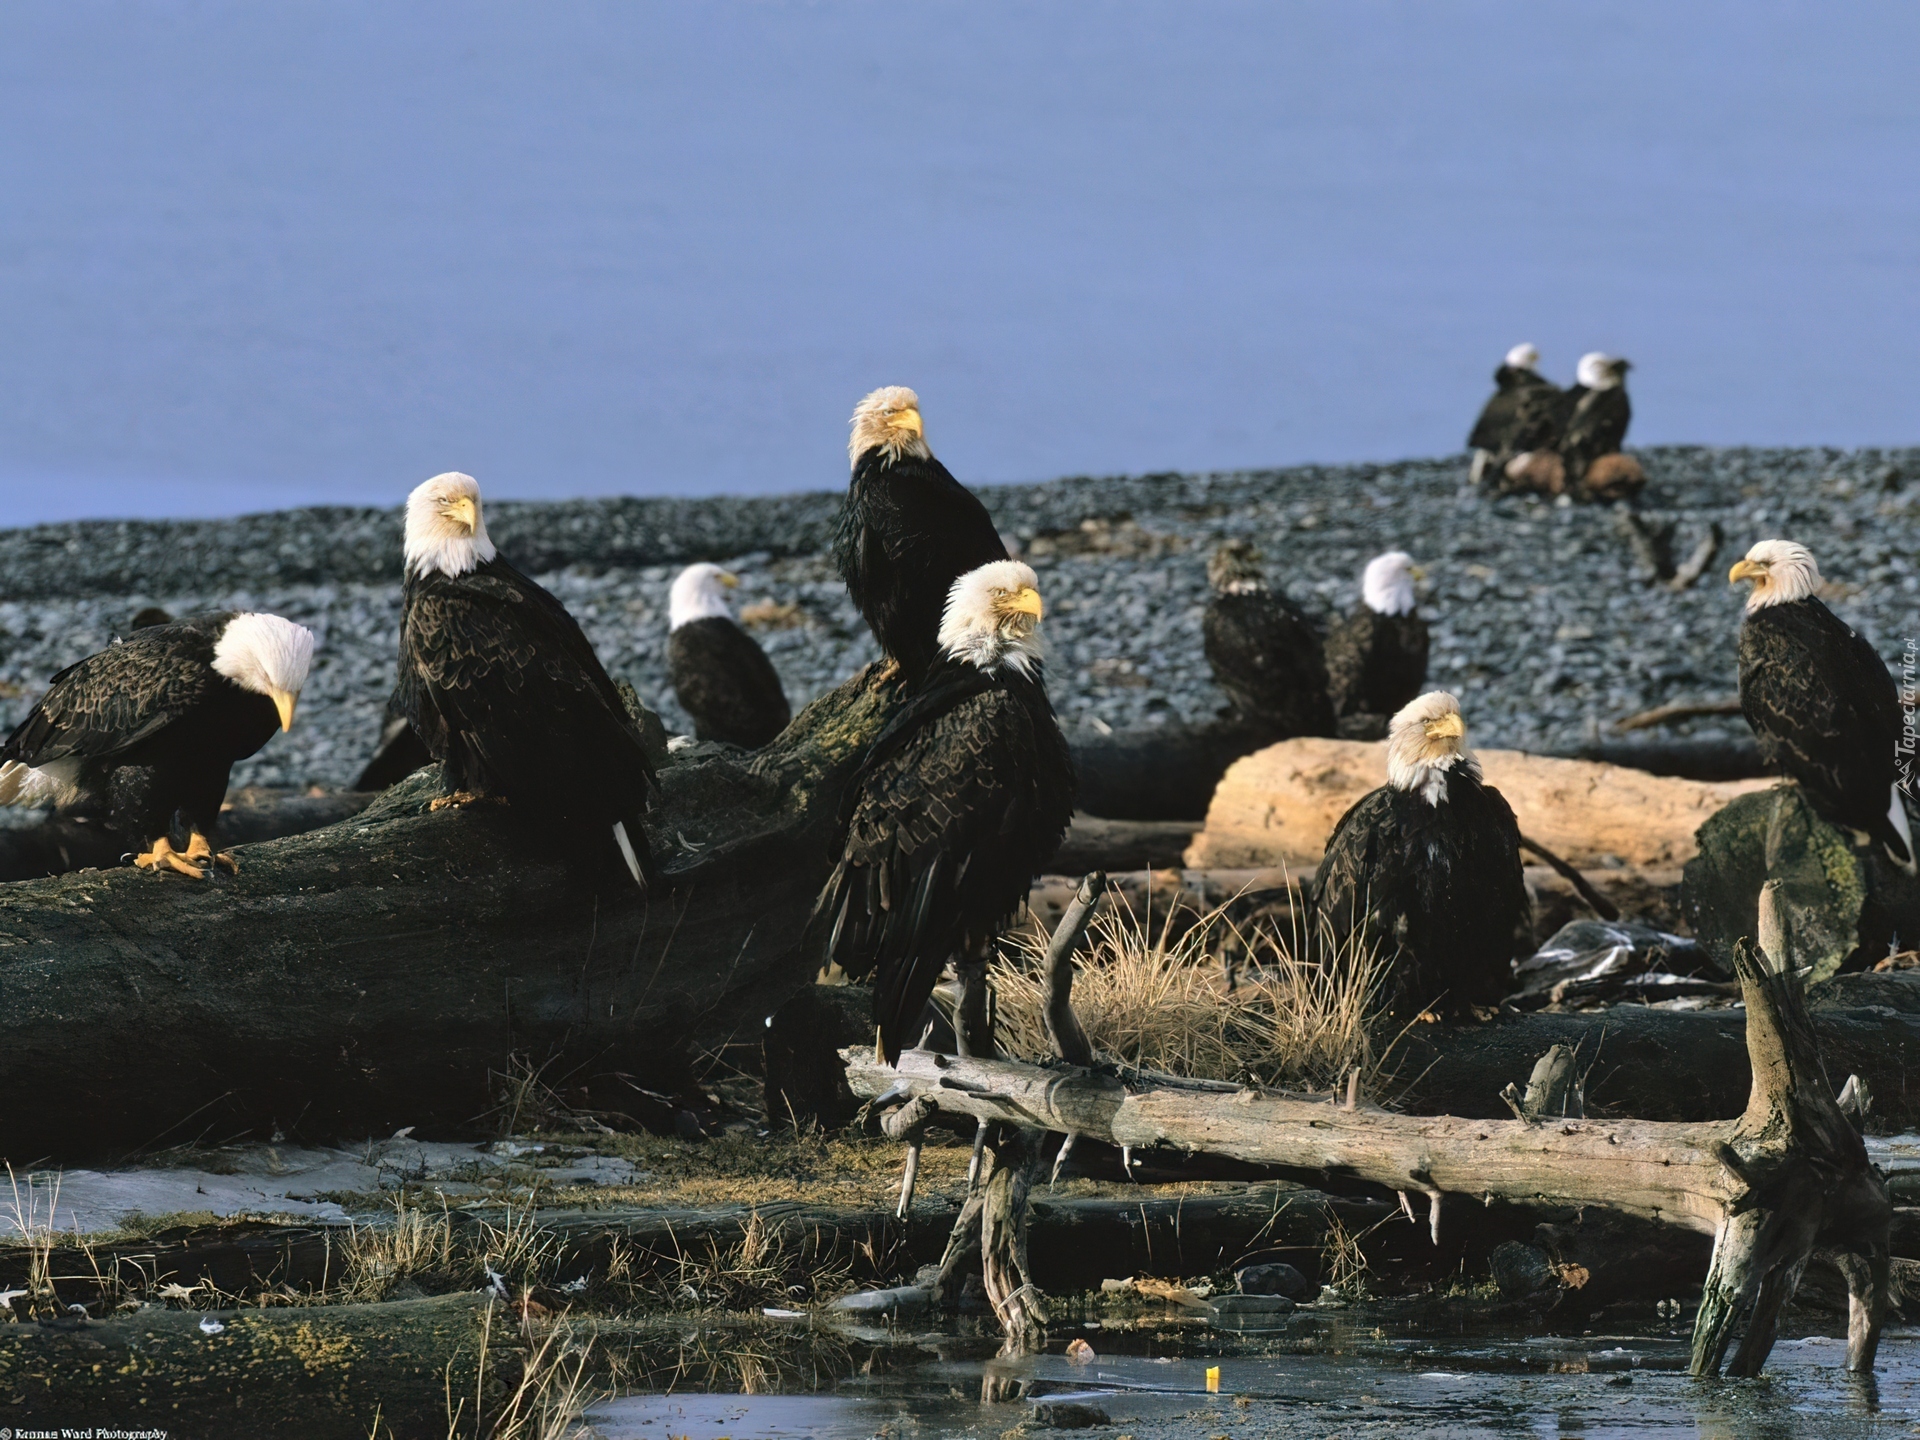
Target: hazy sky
<point>254,255</point>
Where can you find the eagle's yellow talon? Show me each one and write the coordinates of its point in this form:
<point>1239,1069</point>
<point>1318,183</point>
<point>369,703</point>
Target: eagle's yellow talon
<point>200,852</point>
<point>164,857</point>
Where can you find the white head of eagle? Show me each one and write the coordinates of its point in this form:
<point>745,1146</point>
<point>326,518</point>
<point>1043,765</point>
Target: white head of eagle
<point>267,655</point>
<point>992,616</point>
<point>1387,585</point>
<point>700,593</point>
<point>1781,572</point>
<point>1598,370</point>
<point>888,419</point>
<point>1426,739</point>
<point>445,529</point>
<point>1524,356</point>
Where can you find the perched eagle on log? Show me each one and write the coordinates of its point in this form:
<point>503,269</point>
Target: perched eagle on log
<point>1426,870</point>
<point>908,530</point>
<point>1596,429</point>
<point>1820,699</point>
<point>1377,656</point>
<point>148,730</point>
<point>1524,414</point>
<point>1263,649</point>
<point>722,677</point>
<point>958,804</point>
<point>502,687</point>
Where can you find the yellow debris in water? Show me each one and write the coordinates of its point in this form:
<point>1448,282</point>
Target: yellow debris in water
<point>1213,1379</point>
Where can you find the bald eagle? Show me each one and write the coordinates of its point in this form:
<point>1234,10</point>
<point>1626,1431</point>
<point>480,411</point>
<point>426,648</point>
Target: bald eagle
<point>1524,414</point>
<point>148,729</point>
<point>1820,699</point>
<point>908,530</point>
<point>1377,656</point>
<point>722,677</point>
<point>958,804</point>
<point>1597,427</point>
<point>1427,868</point>
<point>504,690</point>
<point>1263,649</point>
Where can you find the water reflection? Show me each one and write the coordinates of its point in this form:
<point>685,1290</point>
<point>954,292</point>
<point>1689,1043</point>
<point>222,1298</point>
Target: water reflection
<point>1324,1375</point>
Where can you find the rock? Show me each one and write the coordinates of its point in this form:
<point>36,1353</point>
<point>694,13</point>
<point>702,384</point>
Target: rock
<point>1279,805</point>
<point>1069,1415</point>
<point>1276,1278</point>
<point>1521,1270</point>
<point>1248,1312</point>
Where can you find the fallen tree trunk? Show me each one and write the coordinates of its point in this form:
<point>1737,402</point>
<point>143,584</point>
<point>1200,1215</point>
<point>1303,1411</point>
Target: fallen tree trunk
<point>375,974</point>
<point>1789,1175</point>
<point>61,844</point>
<point>314,1371</point>
<point>1278,807</point>
<point>1169,773</point>
<point>1669,1065</point>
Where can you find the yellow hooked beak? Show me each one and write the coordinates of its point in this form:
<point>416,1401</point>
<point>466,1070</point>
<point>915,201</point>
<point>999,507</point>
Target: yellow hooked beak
<point>907,420</point>
<point>283,702</point>
<point>1417,572</point>
<point>1024,601</point>
<point>1447,727</point>
<point>729,580</point>
<point>463,509</point>
<point>1745,570</point>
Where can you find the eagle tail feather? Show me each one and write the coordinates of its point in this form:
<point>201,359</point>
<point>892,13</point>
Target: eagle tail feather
<point>1897,814</point>
<point>626,853</point>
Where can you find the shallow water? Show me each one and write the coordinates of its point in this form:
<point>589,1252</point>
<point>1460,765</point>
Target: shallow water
<point>1348,1383</point>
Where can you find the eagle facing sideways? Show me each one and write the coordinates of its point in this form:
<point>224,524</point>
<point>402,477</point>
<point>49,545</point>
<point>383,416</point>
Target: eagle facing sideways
<point>1596,428</point>
<point>723,679</point>
<point>1377,656</point>
<point>1263,649</point>
<point>908,530</point>
<point>1523,416</point>
<point>1427,868</point>
<point>148,729</point>
<point>958,804</point>
<point>1820,699</point>
<point>502,687</point>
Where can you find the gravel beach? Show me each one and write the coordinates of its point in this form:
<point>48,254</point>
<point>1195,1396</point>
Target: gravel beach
<point>1546,623</point>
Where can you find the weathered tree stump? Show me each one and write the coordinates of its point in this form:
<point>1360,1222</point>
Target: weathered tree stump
<point>1787,1176</point>
<point>1845,902</point>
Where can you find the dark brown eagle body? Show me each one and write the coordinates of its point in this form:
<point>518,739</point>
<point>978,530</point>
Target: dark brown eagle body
<point>1825,709</point>
<point>726,683</point>
<point>1438,888</point>
<point>957,806</point>
<point>1375,664</point>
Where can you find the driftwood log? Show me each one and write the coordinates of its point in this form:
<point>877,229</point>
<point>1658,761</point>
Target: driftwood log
<point>1652,1064</point>
<point>1169,772</point>
<point>374,974</point>
<point>61,844</point>
<point>1279,806</point>
<point>1789,1176</point>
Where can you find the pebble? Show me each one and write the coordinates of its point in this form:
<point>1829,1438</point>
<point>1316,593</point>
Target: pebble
<point>1543,620</point>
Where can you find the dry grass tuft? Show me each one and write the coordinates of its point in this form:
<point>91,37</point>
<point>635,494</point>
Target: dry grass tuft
<point>32,1211</point>
<point>1162,1001</point>
<point>544,1400</point>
